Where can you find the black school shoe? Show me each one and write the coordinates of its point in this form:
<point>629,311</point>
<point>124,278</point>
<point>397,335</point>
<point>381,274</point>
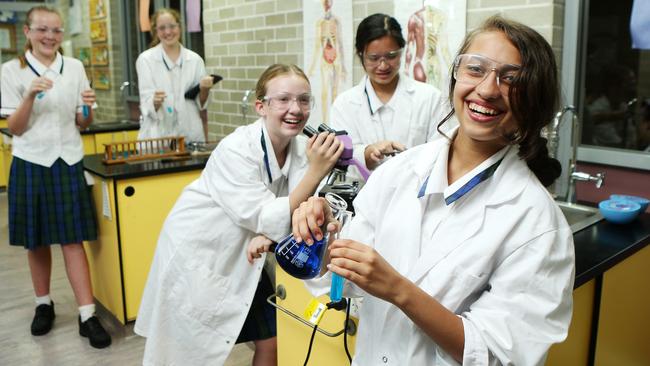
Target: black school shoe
<point>43,319</point>
<point>93,329</point>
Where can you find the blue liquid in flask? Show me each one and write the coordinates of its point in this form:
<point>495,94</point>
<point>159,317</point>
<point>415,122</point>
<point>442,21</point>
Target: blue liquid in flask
<point>299,259</point>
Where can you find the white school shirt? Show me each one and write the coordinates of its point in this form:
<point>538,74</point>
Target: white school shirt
<point>501,257</point>
<point>200,285</point>
<point>177,116</point>
<point>52,131</point>
<point>410,116</point>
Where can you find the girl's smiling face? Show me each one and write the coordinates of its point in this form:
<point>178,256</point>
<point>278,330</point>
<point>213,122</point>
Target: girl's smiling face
<point>45,34</point>
<point>286,106</point>
<point>483,110</point>
<point>168,30</point>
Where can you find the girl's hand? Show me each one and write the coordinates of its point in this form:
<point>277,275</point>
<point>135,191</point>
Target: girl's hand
<point>158,98</point>
<point>206,82</point>
<point>39,85</point>
<point>88,97</point>
<point>257,246</point>
<point>365,267</point>
<point>375,153</point>
<point>309,219</point>
<point>323,151</point>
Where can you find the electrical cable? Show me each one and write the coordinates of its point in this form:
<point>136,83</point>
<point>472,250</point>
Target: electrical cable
<point>345,331</point>
<point>311,342</point>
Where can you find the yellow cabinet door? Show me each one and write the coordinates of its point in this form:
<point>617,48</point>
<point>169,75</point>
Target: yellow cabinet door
<point>109,137</point>
<point>142,206</point>
<point>293,336</point>
<point>624,320</point>
<point>575,349</point>
<point>88,140</point>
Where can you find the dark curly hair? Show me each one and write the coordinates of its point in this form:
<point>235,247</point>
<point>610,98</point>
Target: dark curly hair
<point>534,94</point>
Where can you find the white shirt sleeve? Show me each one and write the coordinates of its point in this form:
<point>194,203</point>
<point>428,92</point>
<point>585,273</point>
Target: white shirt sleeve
<point>497,330</point>
<point>10,89</point>
<point>235,183</point>
<point>147,88</point>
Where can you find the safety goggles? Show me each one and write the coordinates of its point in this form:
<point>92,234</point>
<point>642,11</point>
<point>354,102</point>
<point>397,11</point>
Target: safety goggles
<point>473,69</point>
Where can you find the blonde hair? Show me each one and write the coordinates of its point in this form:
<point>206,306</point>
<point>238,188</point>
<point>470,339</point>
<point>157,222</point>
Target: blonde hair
<point>274,71</point>
<point>28,23</point>
<point>154,25</point>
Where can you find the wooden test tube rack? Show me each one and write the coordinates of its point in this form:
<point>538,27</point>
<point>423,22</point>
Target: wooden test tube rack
<point>146,149</point>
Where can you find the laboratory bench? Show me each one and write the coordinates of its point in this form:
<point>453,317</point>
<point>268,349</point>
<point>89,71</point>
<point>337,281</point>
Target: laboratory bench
<point>93,138</point>
<point>131,202</point>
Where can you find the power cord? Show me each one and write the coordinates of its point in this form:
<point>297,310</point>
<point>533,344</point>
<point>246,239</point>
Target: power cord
<point>338,305</point>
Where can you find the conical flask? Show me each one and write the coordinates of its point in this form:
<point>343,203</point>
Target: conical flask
<point>305,261</point>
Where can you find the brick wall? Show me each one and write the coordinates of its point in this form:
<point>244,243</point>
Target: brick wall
<point>243,37</point>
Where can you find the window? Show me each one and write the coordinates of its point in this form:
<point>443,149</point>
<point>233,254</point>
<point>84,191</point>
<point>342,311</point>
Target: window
<point>134,41</point>
<point>609,82</point>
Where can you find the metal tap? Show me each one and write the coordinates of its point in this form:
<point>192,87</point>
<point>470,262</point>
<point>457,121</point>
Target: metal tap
<point>551,133</point>
<point>244,104</point>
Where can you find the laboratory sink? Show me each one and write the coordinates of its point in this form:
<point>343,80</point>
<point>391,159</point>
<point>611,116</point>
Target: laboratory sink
<point>579,216</point>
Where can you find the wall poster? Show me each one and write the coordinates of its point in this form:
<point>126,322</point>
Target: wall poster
<point>328,44</point>
<point>434,30</point>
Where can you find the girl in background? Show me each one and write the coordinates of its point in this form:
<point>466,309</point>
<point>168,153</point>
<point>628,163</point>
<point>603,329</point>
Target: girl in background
<point>201,285</point>
<point>387,112</point>
<point>48,100</point>
<point>165,72</point>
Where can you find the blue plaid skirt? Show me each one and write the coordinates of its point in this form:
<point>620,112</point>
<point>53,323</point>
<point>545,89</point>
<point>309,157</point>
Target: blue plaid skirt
<point>49,205</point>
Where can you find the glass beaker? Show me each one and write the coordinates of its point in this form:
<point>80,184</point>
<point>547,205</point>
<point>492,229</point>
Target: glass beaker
<point>305,261</point>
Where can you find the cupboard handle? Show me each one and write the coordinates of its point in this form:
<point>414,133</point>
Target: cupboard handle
<point>129,191</point>
<point>281,293</point>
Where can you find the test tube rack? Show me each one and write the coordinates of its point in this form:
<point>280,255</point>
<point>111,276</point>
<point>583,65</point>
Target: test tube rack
<point>146,149</point>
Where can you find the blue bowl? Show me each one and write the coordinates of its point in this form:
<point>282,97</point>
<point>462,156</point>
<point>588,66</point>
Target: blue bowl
<point>619,211</point>
<point>643,202</point>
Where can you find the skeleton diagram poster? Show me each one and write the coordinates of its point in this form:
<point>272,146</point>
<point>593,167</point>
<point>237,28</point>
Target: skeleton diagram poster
<point>328,52</point>
<point>434,30</point>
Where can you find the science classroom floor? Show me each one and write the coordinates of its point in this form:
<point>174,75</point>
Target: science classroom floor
<point>62,346</point>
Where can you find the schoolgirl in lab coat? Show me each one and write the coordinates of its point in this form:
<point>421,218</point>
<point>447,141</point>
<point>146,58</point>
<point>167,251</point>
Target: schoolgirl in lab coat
<point>201,285</point>
<point>387,111</point>
<point>48,100</point>
<point>165,72</point>
<point>461,253</point>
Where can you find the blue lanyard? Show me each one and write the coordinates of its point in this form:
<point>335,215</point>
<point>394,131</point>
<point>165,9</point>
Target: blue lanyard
<point>36,72</point>
<point>476,180</point>
<point>266,158</point>
<point>368,99</point>
<point>167,66</point>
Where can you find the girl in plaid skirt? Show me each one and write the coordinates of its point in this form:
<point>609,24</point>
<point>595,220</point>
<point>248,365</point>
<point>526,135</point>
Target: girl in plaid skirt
<point>48,99</point>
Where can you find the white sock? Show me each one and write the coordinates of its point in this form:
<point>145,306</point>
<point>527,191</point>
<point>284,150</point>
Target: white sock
<point>43,300</point>
<point>86,312</point>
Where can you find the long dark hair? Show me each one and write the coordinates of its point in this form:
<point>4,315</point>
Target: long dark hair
<point>534,94</point>
<point>374,27</point>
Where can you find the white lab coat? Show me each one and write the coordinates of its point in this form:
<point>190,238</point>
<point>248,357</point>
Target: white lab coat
<point>418,108</point>
<point>153,75</point>
<point>501,257</point>
<point>200,285</point>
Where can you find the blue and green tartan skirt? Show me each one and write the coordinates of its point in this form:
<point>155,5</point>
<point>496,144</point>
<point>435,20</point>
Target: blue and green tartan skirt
<point>49,205</point>
<point>260,321</point>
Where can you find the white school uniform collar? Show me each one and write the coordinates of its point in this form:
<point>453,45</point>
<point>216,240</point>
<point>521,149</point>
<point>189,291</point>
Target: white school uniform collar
<point>39,69</point>
<point>169,64</point>
<point>373,101</point>
<point>436,182</point>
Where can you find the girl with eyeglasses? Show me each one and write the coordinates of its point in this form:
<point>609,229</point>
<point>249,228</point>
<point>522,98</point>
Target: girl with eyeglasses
<point>48,100</point>
<point>204,293</point>
<point>387,112</point>
<point>166,71</point>
<point>460,252</point>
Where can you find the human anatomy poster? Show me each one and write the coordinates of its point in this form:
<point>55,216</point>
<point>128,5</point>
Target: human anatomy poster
<point>328,52</point>
<point>434,30</point>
